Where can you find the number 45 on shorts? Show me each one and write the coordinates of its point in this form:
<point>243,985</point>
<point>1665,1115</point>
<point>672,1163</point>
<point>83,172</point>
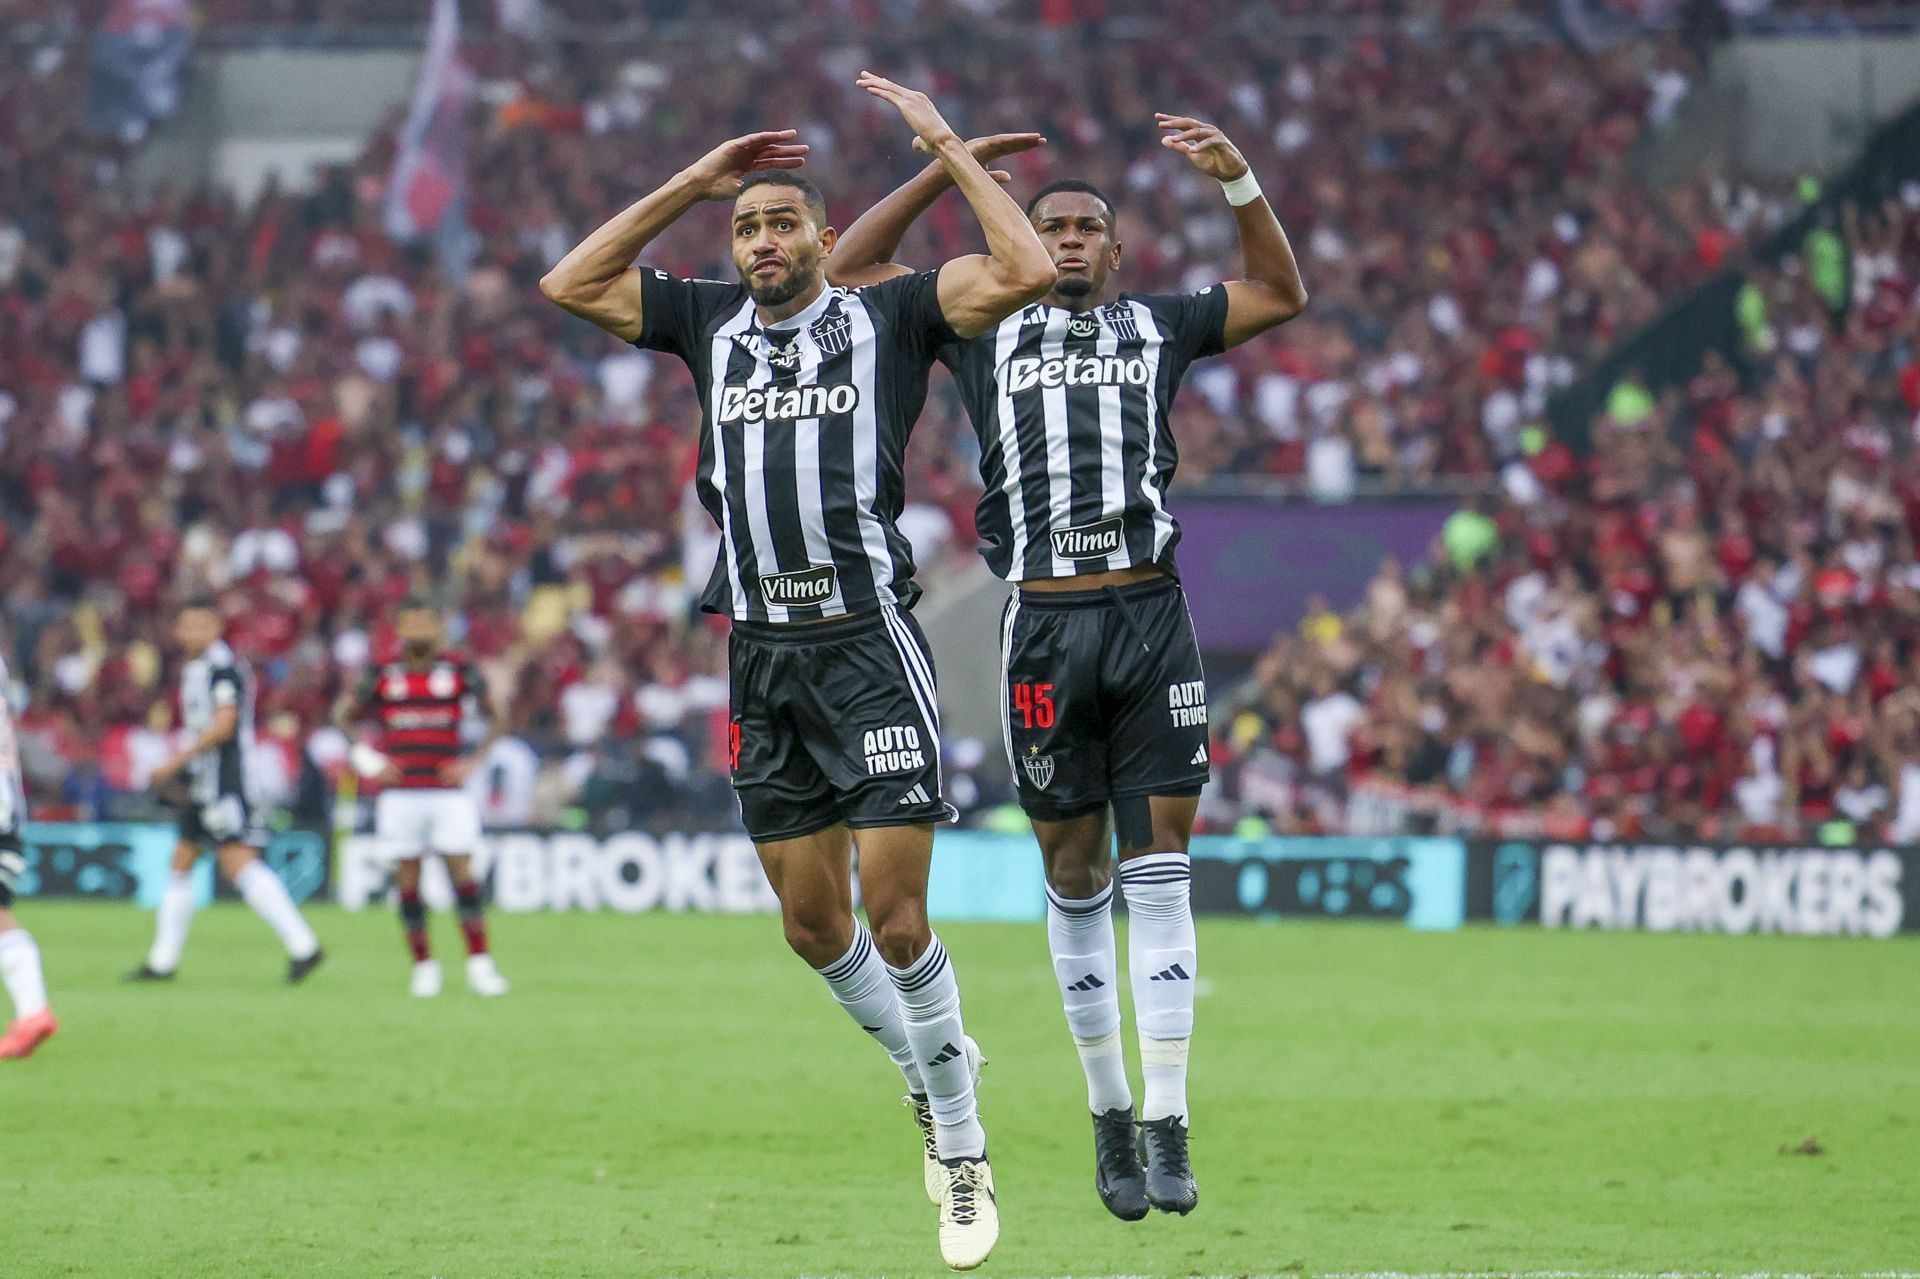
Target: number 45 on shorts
<point>1034,702</point>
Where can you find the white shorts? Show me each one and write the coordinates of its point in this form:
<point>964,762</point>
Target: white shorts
<point>410,823</point>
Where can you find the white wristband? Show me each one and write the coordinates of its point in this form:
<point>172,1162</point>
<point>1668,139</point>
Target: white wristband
<point>1244,189</point>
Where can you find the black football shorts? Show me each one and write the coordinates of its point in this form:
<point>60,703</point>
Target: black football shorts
<point>1103,697</point>
<point>834,722</point>
<point>226,820</point>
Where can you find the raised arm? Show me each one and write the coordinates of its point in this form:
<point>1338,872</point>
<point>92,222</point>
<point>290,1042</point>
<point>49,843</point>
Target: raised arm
<point>1272,292</point>
<point>864,252</point>
<point>976,292</point>
<point>597,280</point>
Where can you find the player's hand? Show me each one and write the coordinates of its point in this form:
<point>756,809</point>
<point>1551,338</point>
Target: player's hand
<point>391,775</point>
<point>164,775</point>
<point>455,772</point>
<point>993,146</point>
<point>717,174</point>
<point>1203,144</point>
<point>915,107</point>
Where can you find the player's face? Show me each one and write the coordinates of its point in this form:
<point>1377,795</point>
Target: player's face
<point>418,629</point>
<point>195,630</point>
<point>777,245</point>
<point>1078,230</point>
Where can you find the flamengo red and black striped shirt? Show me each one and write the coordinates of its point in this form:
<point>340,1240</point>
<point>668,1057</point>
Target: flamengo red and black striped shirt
<point>420,710</point>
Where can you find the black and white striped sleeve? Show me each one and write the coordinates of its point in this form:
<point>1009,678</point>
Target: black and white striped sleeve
<point>1196,322</point>
<point>675,313</point>
<point>911,305</point>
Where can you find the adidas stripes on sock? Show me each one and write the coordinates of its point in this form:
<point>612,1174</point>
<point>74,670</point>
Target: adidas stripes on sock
<point>930,1007</point>
<point>262,890</point>
<point>1086,965</point>
<point>1161,963</point>
<point>171,922</point>
<point>858,979</point>
<point>20,971</point>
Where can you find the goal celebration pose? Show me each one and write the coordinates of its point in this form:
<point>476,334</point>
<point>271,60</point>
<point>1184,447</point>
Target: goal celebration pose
<point>421,703</point>
<point>1104,700</point>
<point>33,1022</point>
<point>808,394</point>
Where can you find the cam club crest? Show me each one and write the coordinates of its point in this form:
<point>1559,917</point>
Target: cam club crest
<point>833,331</point>
<point>1120,319</point>
<point>1083,324</point>
<point>1039,767</point>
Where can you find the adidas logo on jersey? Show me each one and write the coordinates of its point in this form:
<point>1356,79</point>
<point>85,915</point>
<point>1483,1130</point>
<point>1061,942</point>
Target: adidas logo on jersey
<point>1089,982</point>
<point>893,750</point>
<point>1087,541</point>
<point>1172,972</point>
<point>1075,369</point>
<point>785,403</point>
<point>918,795</point>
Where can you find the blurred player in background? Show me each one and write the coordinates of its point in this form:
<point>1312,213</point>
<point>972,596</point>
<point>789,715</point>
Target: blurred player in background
<point>33,1022</point>
<point>217,810</point>
<point>1104,702</point>
<point>421,704</point>
<point>809,394</point>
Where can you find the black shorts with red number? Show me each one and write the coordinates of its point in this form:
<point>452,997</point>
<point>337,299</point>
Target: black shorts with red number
<point>835,722</point>
<point>1104,697</point>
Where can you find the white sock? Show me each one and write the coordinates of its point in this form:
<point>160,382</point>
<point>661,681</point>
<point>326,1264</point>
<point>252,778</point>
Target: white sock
<point>170,922</point>
<point>261,889</point>
<point>1086,964</point>
<point>20,970</point>
<point>1161,964</point>
<point>930,1007</point>
<point>858,979</point>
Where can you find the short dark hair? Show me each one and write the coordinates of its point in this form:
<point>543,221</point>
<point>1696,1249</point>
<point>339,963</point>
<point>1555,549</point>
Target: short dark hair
<point>816,202</point>
<point>416,601</point>
<point>1074,184</point>
<point>198,603</point>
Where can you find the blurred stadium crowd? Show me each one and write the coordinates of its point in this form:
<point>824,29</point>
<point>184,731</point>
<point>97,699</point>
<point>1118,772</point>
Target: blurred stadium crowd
<point>1706,625</point>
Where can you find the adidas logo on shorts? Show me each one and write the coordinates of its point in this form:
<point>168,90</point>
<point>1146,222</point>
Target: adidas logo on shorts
<point>918,795</point>
<point>1199,756</point>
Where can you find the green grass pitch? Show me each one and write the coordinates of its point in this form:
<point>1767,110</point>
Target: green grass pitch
<point>678,1096</point>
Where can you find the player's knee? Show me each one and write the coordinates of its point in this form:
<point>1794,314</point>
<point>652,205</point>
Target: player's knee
<point>818,938</point>
<point>1079,875</point>
<point>902,934</point>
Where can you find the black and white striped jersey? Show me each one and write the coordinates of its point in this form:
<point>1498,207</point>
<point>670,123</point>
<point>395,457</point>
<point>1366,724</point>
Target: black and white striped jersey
<point>216,678</point>
<point>803,437</point>
<point>1075,448</point>
<point>13,788</point>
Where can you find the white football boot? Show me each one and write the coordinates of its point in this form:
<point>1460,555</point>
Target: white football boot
<point>483,978</point>
<point>426,979</point>
<point>969,1217</point>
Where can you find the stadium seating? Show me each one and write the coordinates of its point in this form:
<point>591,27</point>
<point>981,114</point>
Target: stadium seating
<point>277,404</point>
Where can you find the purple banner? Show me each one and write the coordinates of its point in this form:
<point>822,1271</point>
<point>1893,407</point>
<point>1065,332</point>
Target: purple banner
<point>1250,565</point>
